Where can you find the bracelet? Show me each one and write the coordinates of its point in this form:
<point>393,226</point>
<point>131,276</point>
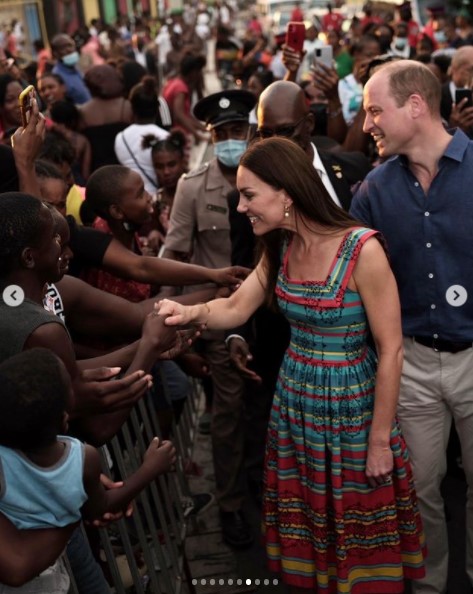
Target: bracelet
<point>208,314</point>
<point>334,114</point>
<point>230,336</point>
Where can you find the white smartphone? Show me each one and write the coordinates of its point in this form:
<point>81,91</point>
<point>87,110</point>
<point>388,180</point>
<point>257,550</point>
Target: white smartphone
<point>324,55</point>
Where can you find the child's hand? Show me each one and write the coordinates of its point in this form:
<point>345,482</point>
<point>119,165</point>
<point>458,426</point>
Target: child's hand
<point>184,340</point>
<point>160,457</point>
<point>109,517</point>
<point>157,333</point>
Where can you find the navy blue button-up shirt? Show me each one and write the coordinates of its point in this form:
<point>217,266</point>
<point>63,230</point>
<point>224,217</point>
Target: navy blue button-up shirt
<point>77,90</point>
<point>429,237</point>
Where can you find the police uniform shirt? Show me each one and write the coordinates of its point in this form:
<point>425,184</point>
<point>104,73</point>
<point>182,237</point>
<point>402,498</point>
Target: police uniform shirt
<point>199,222</point>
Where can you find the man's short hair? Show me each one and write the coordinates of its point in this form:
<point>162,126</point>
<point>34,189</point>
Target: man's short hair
<point>463,55</point>
<point>406,77</point>
<point>20,227</point>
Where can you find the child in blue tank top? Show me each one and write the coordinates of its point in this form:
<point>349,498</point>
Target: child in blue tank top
<point>48,479</point>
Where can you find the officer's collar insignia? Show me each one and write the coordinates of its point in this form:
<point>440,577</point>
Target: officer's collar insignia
<point>337,170</point>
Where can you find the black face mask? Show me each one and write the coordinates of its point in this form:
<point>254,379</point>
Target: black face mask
<point>384,43</point>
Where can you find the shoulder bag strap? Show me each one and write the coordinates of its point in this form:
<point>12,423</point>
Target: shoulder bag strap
<point>150,179</point>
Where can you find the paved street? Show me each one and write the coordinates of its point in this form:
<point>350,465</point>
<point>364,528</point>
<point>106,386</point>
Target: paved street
<point>209,557</point>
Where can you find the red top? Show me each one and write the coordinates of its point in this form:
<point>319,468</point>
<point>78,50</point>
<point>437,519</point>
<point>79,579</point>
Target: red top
<point>255,26</point>
<point>106,281</point>
<point>332,21</point>
<point>412,32</point>
<point>173,88</point>
<point>297,15</point>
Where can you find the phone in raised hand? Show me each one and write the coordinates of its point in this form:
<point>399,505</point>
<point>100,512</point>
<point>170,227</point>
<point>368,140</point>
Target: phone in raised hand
<point>323,55</point>
<point>295,36</point>
<point>25,101</point>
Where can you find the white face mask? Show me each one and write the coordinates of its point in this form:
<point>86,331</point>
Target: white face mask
<point>70,59</point>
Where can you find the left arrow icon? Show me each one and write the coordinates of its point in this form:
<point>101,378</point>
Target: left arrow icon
<point>13,295</point>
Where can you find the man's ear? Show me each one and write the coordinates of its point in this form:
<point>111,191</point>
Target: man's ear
<point>310,122</point>
<point>27,258</point>
<point>116,212</point>
<point>417,105</point>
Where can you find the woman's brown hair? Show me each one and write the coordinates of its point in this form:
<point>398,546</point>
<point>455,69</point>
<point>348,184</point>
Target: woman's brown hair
<point>283,165</point>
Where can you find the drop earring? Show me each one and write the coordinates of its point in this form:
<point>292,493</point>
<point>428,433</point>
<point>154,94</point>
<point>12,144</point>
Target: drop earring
<point>286,212</point>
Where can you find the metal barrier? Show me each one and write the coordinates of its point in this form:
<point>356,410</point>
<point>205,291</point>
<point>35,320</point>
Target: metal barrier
<point>146,553</point>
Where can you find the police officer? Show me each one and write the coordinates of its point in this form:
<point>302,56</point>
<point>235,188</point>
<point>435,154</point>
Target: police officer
<point>200,231</point>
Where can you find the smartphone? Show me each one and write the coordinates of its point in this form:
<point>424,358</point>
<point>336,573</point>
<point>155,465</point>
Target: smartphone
<point>324,55</point>
<point>461,94</point>
<point>25,100</point>
<point>295,36</point>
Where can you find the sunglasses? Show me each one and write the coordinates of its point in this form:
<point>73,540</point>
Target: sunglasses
<point>286,131</point>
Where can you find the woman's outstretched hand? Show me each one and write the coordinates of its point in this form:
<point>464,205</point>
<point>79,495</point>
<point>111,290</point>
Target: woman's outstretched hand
<point>177,314</point>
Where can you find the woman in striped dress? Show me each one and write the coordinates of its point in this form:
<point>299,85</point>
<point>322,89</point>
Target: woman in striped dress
<point>340,512</point>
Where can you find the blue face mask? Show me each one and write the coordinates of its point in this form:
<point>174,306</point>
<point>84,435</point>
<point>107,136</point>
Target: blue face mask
<point>70,59</point>
<point>400,43</point>
<point>229,152</point>
<point>440,36</point>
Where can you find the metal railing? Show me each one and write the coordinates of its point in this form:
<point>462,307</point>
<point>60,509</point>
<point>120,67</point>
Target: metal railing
<point>146,552</point>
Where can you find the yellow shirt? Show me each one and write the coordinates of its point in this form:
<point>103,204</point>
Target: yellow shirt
<point>74,201</point>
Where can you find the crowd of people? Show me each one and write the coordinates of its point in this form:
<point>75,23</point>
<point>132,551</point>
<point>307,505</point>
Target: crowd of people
<point>313,274</point>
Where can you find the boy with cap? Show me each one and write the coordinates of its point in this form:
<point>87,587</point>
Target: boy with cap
<point>200,231</point>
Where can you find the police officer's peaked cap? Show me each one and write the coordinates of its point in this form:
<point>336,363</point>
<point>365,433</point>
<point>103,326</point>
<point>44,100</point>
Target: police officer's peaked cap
<point>223,107</point>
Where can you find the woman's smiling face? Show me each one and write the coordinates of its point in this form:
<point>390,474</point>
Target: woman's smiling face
<point>264,205</point>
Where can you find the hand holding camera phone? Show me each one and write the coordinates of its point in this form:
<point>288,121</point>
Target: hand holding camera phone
<point>323,55</point>
<point>461,94</point>
<point>295,36</point>
<point>25,100</point>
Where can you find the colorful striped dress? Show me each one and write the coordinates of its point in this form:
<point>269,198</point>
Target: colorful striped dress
<point>325,528</point>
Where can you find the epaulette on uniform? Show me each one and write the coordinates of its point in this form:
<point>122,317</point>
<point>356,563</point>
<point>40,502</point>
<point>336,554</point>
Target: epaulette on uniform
<point>196,172</point>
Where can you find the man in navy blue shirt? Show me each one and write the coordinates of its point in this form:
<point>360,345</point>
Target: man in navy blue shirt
<point>421,199</point>
<point>65,52</point>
